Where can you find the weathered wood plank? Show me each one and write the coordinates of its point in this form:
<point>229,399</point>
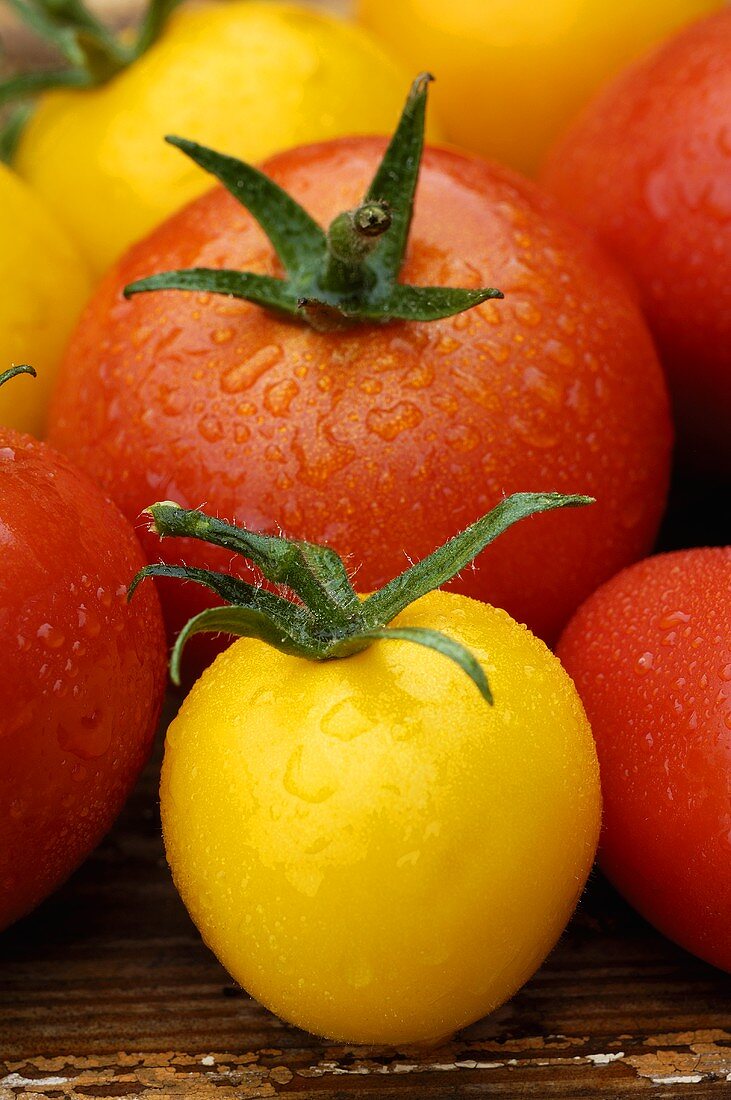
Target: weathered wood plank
<point>112,964</point>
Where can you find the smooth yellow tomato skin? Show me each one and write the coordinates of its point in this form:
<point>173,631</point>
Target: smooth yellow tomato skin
<point>373,852</point>
<point>511,73</point>
<point>45,283</point>
<point>247,78</point>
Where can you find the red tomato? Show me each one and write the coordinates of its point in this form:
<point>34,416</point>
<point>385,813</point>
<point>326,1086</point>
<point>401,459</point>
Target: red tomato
<point>383,440</point>
<point>650,653</point>
<point>647,167</point>
<point>82,674</point>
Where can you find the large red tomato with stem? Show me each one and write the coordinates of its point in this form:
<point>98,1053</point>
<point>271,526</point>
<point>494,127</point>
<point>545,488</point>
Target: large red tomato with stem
<point>344,406</point>
<point>82,674</point>
<point>647,168</point>
<point>650,653</point>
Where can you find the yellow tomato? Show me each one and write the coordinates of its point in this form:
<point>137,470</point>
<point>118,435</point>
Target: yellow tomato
<point>513,72</point>
<point>369,848</point>
<point>247,78</point>
<point>44,285</point>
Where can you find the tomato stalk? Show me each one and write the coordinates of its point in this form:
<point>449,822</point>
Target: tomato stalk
<point>93,55</point>
<point>6,375</point>
<point>349,274</point>
<point>326,619</point>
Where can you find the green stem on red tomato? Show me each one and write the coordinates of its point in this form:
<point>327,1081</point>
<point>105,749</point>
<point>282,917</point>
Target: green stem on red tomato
<point>349,275</point>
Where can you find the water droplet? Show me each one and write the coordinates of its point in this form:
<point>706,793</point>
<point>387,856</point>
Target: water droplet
<point>528,313</point>
<point>410,859</point>
<point>463,437</point>
<point>345,721</point>
<point>89,622</point>
<point>673,618</point>
<point>390,422</point>
<point>499,353</point>
<point>245,374</point>
<point>280,396</point>
<point>305,781</point>
<point>89,739</point>
<point>644,663</point>
<point>371,385</point>
<point>222,335</point>
<point>489,313</point>
<point>211,428</point>
<point>560,353</point>
<point>420,376</point>
<point>547,389</point>
<point>51,636</point>
<point>7,454</point>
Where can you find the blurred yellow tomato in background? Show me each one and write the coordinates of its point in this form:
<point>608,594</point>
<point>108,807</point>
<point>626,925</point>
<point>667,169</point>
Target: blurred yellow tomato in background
<point>249,77</point>
<point>511,73</point>
<point>44,286</point>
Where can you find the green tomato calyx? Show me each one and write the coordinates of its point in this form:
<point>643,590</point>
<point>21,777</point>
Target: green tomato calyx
<point>92,54</point>
<point>349,274</point>
<point>317,614</point>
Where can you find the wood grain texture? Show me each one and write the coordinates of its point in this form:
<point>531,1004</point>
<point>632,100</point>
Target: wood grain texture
<point>107,991</point>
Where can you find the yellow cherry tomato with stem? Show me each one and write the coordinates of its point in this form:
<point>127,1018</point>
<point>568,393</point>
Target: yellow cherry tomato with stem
<point>512,73</point>
<point>382,825</point>
<point>253,77</point>
<point>45,284</point>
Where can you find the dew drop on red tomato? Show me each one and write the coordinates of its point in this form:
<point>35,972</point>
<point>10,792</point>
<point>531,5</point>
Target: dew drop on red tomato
<point>210,428</point>
<point>51,636</point>
<point>88,738</point>
<point>279,397</point>
<point>644,663</point>
<point>242,376</point>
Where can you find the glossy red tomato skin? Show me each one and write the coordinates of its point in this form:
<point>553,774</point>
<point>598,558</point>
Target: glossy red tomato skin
<point>650,653</point>
<point>384,440</point>
<point>647,168</point>
<point>82,675</point>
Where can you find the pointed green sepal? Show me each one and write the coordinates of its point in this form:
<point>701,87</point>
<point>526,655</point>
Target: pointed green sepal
<point>426,303</point>
<point>348,275</point>
<point>445,563</point>
<point>314,573</point>
<point>26,85</point>
<point>330,622</point>
<point>398,173</point>
<point>297,239</point>
<point>262,290</point>
<point>440,643</point>
<point>241,622</point>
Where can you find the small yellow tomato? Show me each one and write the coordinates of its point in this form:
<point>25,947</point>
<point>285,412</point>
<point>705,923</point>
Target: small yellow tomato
<point>513,72</point>
<point>370,849</point>
<point>44,286</point>
<point>249,77</point>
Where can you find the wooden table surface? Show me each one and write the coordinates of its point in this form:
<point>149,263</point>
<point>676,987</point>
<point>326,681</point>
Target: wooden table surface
<point>108,991</point>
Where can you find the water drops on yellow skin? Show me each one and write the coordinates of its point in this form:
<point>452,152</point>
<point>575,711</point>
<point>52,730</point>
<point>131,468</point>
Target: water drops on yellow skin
<point>357,795</point>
